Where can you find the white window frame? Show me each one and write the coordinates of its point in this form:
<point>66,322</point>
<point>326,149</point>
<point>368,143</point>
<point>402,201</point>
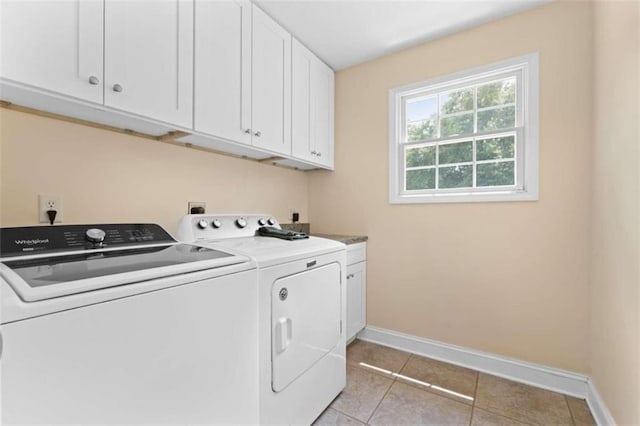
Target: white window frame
<point>525,69</point>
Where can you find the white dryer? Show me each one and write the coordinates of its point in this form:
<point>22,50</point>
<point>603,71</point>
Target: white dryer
<point>301,311</point>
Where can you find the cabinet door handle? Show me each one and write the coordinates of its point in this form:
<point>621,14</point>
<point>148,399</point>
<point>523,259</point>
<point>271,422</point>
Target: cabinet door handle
<point>247,131</point>
<point>350,276</point>
<point>319,154</point>
<point>93,80</point>
<point>258,133</point>
<point>117,88</point>
<point>314,153</point>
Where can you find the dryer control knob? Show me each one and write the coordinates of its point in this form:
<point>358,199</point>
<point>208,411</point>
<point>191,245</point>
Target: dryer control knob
<point>216,223</point>
<point>262,221</point>
<point>202,224</point>
<point>271,221</point>
<point>95,235</point>
<point>241,222</point>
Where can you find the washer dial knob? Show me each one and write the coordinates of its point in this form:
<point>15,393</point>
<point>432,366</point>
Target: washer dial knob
<point>241,222</point>
<point>262,221</point>
<point>202,224</point>
<point>95,235</point>
<point>271,221</point>
<point>216,223</point>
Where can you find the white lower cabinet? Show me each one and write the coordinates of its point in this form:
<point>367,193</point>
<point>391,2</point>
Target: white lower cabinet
<point>356,289</point>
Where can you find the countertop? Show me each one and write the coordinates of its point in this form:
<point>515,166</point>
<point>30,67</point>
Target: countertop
<point>306,227</point>
<point>346,239</point>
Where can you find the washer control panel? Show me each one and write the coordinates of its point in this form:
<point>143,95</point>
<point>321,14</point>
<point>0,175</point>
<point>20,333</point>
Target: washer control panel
<point>198,227</point>
<point>30,240</point>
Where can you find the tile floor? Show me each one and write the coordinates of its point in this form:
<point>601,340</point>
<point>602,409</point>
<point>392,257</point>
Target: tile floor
<point>386,386</point>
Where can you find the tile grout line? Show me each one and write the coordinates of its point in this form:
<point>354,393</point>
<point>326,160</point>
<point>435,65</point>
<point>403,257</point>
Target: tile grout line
<point>347,415</point>
<point>566,401</point>
<point>395,379</point>
<point>475,397</point>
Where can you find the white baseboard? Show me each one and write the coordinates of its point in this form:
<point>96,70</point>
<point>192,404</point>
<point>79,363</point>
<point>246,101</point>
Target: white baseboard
<point>597,406</point>
<point>565,382</point>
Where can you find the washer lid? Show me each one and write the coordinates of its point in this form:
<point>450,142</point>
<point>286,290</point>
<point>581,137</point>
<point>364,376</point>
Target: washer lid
<point>43,277</point>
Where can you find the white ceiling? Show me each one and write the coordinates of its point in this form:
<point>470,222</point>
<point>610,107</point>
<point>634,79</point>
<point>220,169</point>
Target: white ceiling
<point>347,32</point>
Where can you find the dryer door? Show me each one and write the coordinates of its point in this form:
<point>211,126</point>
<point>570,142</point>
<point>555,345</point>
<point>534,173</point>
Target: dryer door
<point>305,321</point>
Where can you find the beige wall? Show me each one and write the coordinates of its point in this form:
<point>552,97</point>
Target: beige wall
<point>615,254</point>
<point>109,177</point>
<point>508,278</point>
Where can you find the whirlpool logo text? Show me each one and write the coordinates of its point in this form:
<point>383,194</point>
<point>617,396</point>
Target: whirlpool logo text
<point>31,242</point>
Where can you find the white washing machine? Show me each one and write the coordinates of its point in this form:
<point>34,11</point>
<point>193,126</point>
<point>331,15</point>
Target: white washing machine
<point>301,311</point>
<point>121,324</point>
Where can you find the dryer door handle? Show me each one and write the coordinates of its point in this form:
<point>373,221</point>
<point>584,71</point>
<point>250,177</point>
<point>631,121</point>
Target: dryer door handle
<point>284,333</point>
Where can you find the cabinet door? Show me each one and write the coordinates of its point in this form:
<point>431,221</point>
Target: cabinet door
<point>271,85</point>
<point>222,95</point>
<point>312,107</point>
<point>54,45</point>
<point>149,58</point>
<point>322,107</point>
<point>356,298</point>
<point>301,64</point>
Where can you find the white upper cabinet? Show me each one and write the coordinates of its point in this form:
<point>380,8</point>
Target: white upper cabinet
<point>271,85</point>
<point>54,45</point>
<point>223,69</point>
<point>312,107</point>
<point>149,58</point>
<point>242,76</point>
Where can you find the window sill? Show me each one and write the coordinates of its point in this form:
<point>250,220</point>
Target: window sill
<point>471,197</point>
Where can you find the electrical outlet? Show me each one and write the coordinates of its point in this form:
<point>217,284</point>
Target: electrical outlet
<point>196,205</point>
<point>293,211</point>
<point>49,202</point>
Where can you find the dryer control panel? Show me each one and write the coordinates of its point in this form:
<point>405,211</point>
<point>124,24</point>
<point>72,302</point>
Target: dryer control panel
<point>207,227</point>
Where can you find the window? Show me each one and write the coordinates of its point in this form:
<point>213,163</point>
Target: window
<point>470,136</point>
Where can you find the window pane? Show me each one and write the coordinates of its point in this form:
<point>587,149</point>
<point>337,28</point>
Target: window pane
<point>495,174</point>
<point>421,115</point>
<point>495,148</point>
<point>497,93</point>
<point>456,153</point>
<point>421,179</point>
<point>458,101</point>
<point>456,125</point>
<point>455,177</point>
<point>420,108</point>
<point>421,130</point>
<point>423,156</point>
<point>499,118</point>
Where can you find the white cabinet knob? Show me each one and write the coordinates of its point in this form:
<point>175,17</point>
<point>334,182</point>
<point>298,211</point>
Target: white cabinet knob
<point>94,81</point>
<point>117,88</point>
